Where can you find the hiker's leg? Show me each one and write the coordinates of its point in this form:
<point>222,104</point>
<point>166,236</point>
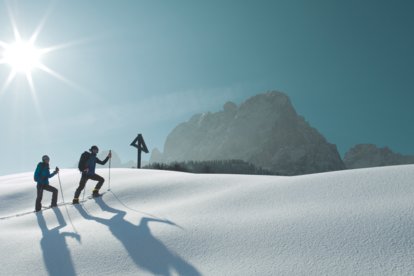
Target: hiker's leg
<point>82,184</point>
<point>39,196</point>
<point>100,180</point>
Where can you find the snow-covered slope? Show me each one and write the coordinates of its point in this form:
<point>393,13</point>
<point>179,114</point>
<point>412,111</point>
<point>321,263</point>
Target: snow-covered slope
<point>358,222</point>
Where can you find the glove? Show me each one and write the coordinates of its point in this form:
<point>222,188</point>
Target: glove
<point>56,170</point>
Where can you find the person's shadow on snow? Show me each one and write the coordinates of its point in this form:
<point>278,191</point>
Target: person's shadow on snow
<point>56,254</point>
<point>146,251</point>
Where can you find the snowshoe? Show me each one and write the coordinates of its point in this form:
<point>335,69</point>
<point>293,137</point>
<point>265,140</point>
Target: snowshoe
<point>96,193</point>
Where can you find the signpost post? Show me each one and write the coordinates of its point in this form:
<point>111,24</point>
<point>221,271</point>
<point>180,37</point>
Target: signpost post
<point>139,143</point>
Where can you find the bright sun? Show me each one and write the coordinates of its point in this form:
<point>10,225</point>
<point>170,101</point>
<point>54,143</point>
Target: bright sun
<point>22,57</point>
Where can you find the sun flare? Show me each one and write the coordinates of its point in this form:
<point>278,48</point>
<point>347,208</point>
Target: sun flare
<point>22,57</point>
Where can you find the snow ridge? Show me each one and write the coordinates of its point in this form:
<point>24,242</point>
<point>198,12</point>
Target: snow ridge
<point>356,222</point>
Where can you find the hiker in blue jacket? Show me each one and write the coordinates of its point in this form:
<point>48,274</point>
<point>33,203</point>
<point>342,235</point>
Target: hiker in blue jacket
<point>87,165</point>
<point>41,176</point>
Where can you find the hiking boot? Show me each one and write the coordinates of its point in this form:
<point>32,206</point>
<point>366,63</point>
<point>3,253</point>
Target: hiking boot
<point>96,193</point>
<point>53,205</point>
<point>75,201</point>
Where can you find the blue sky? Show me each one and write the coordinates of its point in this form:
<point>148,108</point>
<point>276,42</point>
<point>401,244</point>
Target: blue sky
<point>132,67</point>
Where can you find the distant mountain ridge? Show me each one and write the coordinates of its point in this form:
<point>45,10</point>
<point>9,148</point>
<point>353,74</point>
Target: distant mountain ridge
<point>369,155</point>
<point>265,130</point>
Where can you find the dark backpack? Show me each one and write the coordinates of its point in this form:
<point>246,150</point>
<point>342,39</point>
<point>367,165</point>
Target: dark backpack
<point>38,172</point>
<point>83,161</point>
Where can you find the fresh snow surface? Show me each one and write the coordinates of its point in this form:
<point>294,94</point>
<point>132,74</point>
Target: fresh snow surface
<point>358,222</point>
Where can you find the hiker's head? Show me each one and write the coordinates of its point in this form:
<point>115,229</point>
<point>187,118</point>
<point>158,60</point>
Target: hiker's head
<point>94,149</point>
<point>45,159</point>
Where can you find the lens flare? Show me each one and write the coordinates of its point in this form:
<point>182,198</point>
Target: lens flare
<point>22,57</point>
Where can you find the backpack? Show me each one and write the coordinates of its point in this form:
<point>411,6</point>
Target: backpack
<point>83,161</point>
<point>38,172</point>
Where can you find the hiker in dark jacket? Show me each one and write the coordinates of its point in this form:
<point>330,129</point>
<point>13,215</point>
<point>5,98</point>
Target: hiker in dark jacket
<point>87,165</point>
<point>41,176</point>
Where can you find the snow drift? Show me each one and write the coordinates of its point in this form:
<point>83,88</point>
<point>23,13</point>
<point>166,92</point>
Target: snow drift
<point>358,222</point>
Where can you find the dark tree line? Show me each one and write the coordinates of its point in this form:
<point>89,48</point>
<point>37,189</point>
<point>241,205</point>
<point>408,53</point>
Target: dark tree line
<point>213,166</point>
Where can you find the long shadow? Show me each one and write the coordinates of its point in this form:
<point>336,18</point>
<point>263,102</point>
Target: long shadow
<point>146,251</point>
<point>56,254</point>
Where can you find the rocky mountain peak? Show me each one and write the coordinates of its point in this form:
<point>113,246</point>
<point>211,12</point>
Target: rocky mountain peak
<point>265,130</point>
<point>369,155</point>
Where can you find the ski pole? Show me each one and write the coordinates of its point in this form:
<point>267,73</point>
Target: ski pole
<point>83,197</point>
<point>60,185</point>
<point>109,178</point>
<point>66,207</point>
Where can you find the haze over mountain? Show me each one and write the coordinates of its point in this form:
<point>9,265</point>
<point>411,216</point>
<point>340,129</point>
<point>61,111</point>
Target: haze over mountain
<point>369,155</point>
<point>265,130</point>
<point>116,161</point>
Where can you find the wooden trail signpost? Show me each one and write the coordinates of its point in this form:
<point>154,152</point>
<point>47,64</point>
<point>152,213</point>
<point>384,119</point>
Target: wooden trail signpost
<point>139,143</point>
